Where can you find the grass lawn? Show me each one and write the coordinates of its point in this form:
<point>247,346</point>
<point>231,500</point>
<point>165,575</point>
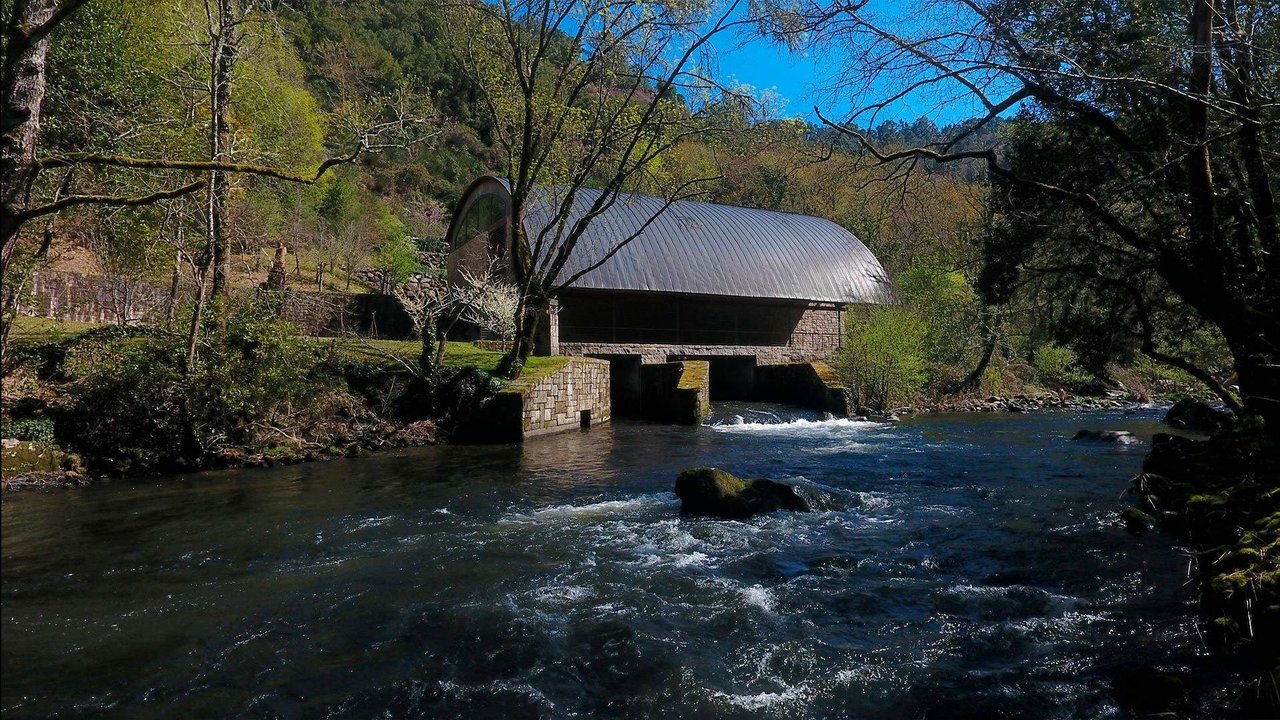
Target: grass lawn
<point>456,354</point>
<point>31,330</point>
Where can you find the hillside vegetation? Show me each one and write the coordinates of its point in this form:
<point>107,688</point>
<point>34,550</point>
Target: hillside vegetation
<point>310,71</point>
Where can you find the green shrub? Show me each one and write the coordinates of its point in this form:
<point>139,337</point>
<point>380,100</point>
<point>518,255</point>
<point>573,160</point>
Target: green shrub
<point>1058,366</point>
<point>126,411</point>
<point>883,358</point>
<point>951,311</point>
<point>135,410</point>
<point>34,429</point>
<point>458,392</point>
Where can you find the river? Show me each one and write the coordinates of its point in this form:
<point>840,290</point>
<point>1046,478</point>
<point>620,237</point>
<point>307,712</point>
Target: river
<point>957,566</point>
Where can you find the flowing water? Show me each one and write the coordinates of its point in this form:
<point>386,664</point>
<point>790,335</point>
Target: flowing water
<point>955,567</point>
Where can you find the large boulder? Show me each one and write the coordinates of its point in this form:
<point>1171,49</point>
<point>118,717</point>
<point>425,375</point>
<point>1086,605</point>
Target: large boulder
<point>1198,416</point>
<point>714,492</point>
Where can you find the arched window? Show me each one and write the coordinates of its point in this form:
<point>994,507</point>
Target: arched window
<point>484,216</point>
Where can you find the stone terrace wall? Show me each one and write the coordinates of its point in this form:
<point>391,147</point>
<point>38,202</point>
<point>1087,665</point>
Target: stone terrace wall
<point>87,298</point>
<point>340,314</point>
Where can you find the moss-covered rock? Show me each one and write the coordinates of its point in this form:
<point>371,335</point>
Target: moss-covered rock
<point>716,493</point>
<point>1136,521</point>
<point>1222,495</point>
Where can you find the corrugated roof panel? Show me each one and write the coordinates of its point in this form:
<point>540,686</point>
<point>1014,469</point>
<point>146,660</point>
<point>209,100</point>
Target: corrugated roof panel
<point>710,249</point>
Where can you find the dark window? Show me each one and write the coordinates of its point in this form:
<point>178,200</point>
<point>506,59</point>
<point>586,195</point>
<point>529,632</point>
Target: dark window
<point>484,216</point>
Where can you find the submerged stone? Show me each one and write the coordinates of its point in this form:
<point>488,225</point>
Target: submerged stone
<point>716,493</point>
<point>1122,437</point>
<point>1136,521</point>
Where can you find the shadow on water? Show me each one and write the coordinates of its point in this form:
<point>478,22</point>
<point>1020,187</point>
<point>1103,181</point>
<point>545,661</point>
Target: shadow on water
<point>965,566</point>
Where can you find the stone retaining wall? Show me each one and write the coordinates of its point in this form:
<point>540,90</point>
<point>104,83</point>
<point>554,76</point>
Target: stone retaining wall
<point>335,314</point>
<point>87,298</point>
<point>572,394</point>
<point>95,299</point>
<point>575,396</point>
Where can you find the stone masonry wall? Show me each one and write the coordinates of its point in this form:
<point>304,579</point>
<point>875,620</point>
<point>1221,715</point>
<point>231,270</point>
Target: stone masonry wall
<point>556,402</point>
<point>676,392</point>
<point>657,353</point>
<point>818,332</point>
<point>85,298</point>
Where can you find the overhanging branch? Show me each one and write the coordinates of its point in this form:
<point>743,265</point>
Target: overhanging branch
<point>113,200</point>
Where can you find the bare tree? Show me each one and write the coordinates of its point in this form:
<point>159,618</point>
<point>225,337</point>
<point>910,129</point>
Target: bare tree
<point>431,302</point>
<point>588,93</point>
<point>1170,114</point>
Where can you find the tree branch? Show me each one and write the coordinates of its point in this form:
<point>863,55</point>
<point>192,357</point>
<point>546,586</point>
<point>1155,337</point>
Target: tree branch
<point>113,200</point>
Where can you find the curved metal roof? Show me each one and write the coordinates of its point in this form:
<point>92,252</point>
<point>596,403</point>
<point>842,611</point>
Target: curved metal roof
<point>708,249</point>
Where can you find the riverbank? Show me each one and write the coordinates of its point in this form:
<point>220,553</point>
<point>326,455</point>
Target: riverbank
<point>83,402</point>
<point>1220,496</point>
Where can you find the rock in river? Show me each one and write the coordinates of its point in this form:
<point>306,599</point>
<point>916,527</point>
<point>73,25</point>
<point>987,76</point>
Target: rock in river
<point>1121,437</point>
<point>714,492</point>
<point>1195,415</point>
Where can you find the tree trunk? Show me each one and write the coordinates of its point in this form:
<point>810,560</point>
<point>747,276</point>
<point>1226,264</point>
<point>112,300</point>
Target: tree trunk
<point>512,364</point>
<point>441,346</point>
<point>171,304</point>
<point>22,87</point>
<point>974,379</point>
<point>222,58</point>
<point>431,349</point>
<point>1257,364</point>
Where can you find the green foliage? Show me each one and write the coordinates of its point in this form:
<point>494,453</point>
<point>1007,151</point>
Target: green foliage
<point>397,256</point>
<point>1057,366</point>
<point>338,200</point>
<point>135,410</point>
<point>943,299</point>
<point>33,429</point>
<point>884,357</point>
<point>128,404</point>
<point>458,392</point>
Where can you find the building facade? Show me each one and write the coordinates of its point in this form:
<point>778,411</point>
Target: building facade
<point>650,281</point>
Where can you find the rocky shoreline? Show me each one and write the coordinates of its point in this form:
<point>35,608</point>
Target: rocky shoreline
<point>1020,403</point>
<point>1219,496</point>
<point>358,441</point>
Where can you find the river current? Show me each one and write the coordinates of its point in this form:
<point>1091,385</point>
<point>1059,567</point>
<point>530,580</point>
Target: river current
<point>956,566</point>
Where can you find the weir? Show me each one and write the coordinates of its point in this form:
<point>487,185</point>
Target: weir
<point>580,392</point>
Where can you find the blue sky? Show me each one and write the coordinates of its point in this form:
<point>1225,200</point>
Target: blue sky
<point>804,80</point>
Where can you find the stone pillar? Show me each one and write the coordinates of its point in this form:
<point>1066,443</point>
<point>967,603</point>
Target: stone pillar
<point>553,327</point>
<point>277,276</point>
